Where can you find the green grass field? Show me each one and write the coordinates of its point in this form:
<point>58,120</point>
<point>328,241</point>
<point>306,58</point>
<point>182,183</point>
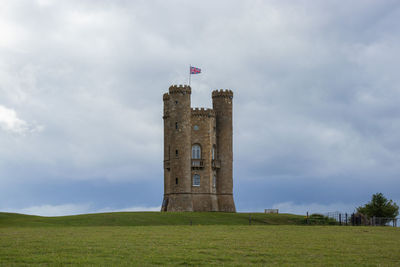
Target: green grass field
<point>143,239</point>
<point>148,219</point>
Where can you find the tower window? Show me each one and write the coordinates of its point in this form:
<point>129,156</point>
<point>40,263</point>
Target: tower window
<point>176,125</point>
<point>213,154</point>
<point>196,180</point>
<point>196,152</point>
<point>176,180</point>
<point>176,102</point>
<point>176,153</point>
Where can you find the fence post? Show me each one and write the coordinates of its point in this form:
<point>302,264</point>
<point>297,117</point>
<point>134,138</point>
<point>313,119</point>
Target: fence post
<point>340,218</point>
<point>346,217</point>
<point>307,218</point>
<point>250,219</point>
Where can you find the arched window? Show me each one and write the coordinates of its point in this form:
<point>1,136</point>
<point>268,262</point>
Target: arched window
<point>196,180</point>
<point>214,180</point>
<point>196,152</point>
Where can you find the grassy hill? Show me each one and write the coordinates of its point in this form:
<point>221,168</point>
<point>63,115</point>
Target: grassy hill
<point>167,239</point>
<point>149,219</point>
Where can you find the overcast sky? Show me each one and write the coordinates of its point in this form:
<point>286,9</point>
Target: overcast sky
<point>316,100</point>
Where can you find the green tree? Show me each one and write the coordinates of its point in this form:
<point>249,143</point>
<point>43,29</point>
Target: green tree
<point>379,206</point>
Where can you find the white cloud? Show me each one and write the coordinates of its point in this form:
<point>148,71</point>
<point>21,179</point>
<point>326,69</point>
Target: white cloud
<point>302,209</point>
<point>133,208</point>
<point>53,210</point>
<point>10,122</point>
<point>73,209</point>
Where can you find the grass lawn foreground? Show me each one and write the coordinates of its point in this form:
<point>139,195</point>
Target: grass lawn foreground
<point>40,242</point>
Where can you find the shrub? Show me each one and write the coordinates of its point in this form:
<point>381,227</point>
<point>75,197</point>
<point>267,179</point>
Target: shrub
<point>319,219</point>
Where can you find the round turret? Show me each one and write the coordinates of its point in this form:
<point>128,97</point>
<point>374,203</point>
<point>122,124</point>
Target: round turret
<point>222,105</point>
<point>179,148</point>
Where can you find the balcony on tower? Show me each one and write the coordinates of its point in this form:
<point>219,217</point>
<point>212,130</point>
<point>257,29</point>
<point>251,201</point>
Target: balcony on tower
<point>197,164</point>
<point>216,163</point>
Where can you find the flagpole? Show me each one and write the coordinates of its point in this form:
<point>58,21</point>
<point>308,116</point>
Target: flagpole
<point>190,73</point>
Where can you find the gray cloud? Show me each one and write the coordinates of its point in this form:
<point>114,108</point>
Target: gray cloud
<point>316,91</point>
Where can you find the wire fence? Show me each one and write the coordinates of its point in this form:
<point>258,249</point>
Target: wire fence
<point>353,219</point>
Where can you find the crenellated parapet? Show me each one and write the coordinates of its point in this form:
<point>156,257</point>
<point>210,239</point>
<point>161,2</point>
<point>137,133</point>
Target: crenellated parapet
<point>202,112</point>
<point>180,89</point>
<point>222,93</point>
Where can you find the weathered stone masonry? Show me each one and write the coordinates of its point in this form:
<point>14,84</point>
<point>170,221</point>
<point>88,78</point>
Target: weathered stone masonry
<point>197,153</point>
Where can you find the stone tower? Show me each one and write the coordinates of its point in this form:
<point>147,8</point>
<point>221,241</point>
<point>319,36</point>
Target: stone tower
<point>197,153</point>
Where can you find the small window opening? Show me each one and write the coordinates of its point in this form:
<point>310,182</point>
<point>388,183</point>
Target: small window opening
<point>176,102</point>
<point>176,152</point>
<point>176,180</point>
<point>176,125</point>
<point>213,153</point>
<point>196,180</point>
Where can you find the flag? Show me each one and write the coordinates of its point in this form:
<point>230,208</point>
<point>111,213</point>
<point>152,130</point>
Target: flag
<point>194,70</point>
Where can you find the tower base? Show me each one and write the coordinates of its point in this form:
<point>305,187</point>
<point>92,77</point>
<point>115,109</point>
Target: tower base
<point>198,202</point>
<point>177,202</point>
<point>205,202</point>
<point>226,203</point>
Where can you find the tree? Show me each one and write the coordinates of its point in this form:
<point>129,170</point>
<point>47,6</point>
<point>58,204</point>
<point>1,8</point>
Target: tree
<point>379,207</point>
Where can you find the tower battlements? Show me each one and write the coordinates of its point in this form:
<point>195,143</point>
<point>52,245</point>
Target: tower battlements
<point>222,93</point>
<point>180,89</point>
<point>202,112</point>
